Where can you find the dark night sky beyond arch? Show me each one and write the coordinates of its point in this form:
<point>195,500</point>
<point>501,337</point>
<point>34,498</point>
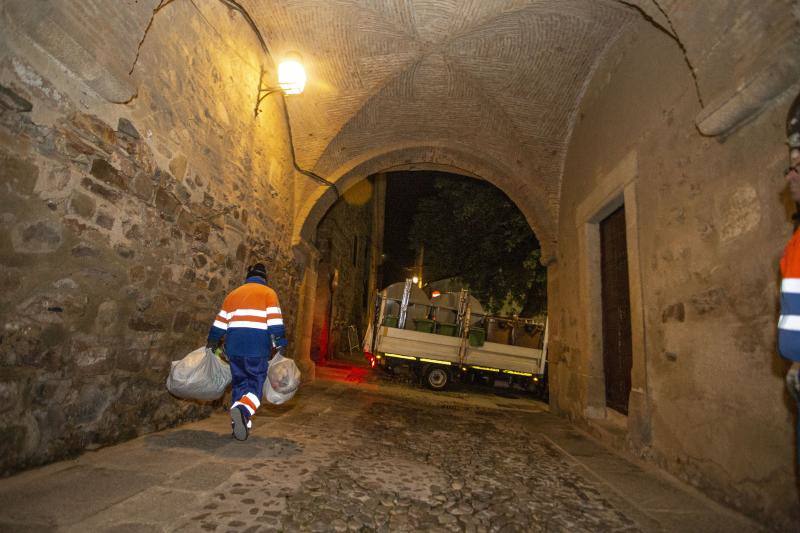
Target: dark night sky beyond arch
<point>403,192</point>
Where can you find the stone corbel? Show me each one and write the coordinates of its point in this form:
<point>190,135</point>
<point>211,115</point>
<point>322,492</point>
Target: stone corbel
<point>724,115</point>
<point>39,34</point>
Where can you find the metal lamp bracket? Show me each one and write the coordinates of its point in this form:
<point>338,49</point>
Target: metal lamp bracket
<point>263,92</point>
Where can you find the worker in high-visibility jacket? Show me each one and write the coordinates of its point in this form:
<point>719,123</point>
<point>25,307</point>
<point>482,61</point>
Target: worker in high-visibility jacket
<point>789,322</point>
<point>252,324</point>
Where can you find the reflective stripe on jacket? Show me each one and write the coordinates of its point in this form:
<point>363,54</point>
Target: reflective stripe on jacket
<point>789,322</point>
<point>251,320</point>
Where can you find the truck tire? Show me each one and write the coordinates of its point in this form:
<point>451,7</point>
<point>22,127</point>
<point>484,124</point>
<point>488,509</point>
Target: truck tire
<point>436,377</point>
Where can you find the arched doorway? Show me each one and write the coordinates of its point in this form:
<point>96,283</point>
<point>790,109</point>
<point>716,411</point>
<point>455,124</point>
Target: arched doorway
<point>531,197</point>
<point>348,262</point>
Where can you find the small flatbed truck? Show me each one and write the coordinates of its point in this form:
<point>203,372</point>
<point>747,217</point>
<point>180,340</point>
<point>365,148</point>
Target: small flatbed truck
<point>460,354</point>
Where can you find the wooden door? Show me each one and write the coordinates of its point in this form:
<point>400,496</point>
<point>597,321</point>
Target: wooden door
<point>617,344</point>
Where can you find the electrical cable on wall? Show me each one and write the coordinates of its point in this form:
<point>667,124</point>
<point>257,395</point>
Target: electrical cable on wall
<point>233,4</point>
<point>308,173</point>
<point>236,6</point>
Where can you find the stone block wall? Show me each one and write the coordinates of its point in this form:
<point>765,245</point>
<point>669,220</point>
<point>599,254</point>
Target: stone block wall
<point>348,224</point>
<point>123,225</point>
<point>712,218</point>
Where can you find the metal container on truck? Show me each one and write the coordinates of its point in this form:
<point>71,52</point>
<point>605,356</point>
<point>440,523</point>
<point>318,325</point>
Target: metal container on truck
<point>438,359</point>
<point>417,311</point>
<point>528,334</point>
<point>499,330</point>
<point>445,307</point>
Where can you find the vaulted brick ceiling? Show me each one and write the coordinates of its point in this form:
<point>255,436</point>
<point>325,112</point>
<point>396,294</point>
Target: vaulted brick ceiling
<point>499,80</point>
<point>487,87</point>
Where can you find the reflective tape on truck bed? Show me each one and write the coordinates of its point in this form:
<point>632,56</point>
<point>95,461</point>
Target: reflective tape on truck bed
<point>515,373</point>
<point>472,367</point>
<point>398,356</point>
<point>434,361</point>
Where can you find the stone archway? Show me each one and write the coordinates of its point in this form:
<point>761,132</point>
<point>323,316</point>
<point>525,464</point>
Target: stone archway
<point>529,197</point>
<point>523,192</point>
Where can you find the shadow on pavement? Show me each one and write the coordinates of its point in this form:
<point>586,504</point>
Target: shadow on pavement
<point>218,444</point>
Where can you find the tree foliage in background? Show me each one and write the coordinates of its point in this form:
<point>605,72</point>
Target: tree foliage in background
<point>471,230</point>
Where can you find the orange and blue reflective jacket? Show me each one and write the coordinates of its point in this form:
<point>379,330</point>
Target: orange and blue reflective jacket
<point>250,320</point>
<point>789,322</point>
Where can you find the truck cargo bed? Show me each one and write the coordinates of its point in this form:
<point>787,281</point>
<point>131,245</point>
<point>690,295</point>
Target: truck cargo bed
<point>490,356</point>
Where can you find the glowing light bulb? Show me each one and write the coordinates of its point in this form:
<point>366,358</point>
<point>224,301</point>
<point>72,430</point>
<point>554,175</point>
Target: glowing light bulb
<point>292,74</point>
<point>415,280</point>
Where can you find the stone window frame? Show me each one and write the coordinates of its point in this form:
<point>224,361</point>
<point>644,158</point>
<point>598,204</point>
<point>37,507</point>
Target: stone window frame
<point>613,189</point>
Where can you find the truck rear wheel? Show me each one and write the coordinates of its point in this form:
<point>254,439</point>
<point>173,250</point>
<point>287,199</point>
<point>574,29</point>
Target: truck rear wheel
<point>436,377</point>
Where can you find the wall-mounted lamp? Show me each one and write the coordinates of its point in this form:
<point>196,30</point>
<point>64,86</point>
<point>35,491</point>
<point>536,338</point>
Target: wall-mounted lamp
<point>292,74</point>
<point>291,79</point>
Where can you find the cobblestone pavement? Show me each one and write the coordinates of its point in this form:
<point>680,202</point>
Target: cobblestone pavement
<point>355,455</point>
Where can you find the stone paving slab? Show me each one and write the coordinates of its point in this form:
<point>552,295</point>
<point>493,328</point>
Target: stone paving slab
<point>655,494</point>
<point>151,507</point>
<point>349,456</point>
<point>202,477</point>
<point>68,496</point>
<point>133,456</point>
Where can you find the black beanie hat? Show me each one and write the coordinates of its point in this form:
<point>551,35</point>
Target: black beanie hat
<point>257,269</point>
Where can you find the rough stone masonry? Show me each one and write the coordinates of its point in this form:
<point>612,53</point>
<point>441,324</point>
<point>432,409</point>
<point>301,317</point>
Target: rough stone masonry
<point>111,268</point>
<point>121,230</point>
<point>119,236</point>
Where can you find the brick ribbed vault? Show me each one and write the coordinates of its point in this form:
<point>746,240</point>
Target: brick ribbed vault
<point>492,86</point>
<point>488,87</point>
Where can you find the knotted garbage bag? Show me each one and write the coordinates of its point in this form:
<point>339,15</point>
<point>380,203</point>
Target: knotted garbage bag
<point>283,379</point>
<point>201,375</point>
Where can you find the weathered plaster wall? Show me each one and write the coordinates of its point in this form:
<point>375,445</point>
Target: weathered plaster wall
<point>122,225</point>
<point>712,221</point>
<point>349,223</point>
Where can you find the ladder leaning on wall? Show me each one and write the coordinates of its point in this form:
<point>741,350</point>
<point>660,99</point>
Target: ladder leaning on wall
<point>353,343</point>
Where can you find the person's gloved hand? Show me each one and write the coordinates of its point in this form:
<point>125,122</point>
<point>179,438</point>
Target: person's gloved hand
<point>212,345</point>
<point>793,381</point>
<point>280,350</point>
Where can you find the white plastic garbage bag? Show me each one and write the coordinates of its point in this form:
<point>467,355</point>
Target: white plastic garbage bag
<point>201,375</point>
<point>283,379</point>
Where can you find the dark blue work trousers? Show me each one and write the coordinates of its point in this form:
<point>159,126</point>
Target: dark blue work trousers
<point>247,381</point>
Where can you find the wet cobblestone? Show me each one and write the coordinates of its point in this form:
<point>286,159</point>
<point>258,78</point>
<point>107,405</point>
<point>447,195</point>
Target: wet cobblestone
<point>416,467</point>
<point>366,456</point>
